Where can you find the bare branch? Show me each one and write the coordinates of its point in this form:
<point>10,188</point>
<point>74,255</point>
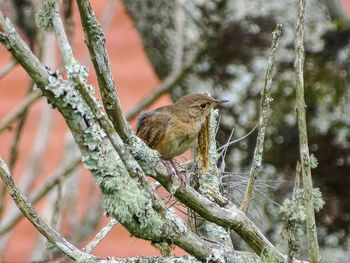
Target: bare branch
<point>303,141</point>
<point>25,103</point>
<point>8,67</point>
<point>100,236</point>
<point>38,149</point>
<point>63,43</point>
<point>264,116</point>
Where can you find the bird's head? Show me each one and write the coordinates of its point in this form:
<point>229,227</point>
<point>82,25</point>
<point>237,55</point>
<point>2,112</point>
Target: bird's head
<point>196,106</point>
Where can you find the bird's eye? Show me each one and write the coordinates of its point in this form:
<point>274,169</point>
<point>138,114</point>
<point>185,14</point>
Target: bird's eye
<point>203,105</point>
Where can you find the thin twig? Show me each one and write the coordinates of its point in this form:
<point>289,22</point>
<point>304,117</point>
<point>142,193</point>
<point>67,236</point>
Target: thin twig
<point>8,67</point>
<point>100,236</point>
<point>264,116</point>
<point>303,142</point>
<point>62,40</point>
<point>30,174</point>
<point>25,103</point>
<point>67,7</point>
<point>69,155</point>
<point>223,147</point>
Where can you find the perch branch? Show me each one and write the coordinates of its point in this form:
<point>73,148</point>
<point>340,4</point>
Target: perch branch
<point>228,216</point>
<point>264,116</point>
<point>303,142</point>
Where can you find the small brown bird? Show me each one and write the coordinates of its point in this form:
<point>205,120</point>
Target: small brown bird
<point>172,129</point>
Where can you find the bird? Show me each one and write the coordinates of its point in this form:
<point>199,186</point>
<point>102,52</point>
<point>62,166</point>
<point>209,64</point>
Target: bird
<point>173,129</point>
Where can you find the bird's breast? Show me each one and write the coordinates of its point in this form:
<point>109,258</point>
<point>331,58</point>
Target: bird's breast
<point>178,138</point>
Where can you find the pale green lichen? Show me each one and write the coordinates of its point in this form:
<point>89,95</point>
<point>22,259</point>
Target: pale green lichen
<point>234,259</point>
<point>164,248</point>
<point>172,217</point>
<point>294,217</point>
<point>147,158</point>
<point>82,72</point>
<point>318,200</point>
<point>43,17</point>
<point>269,256</point>
<point>95,31</point>
<point>313,161</point>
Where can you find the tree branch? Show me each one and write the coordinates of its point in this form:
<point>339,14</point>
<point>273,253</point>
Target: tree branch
<point>100,236</point>
<point>95,41</point>
<point>303,142</point>
<point>8,67</point>
<point>264,116</point>
<point>24,104</point>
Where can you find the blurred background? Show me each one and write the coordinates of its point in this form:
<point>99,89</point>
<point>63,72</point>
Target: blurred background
<point>231,66</point>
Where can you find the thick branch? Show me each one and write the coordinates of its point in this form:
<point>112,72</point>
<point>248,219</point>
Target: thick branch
<point>303,142</point>
<point>227,217</point>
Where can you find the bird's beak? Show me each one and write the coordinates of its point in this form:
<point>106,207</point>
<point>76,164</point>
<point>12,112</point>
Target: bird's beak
<point>221,101</point>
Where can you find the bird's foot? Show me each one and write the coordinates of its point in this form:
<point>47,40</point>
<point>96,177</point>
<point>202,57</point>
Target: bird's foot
<point>180,174</point>
<point>171,172</point>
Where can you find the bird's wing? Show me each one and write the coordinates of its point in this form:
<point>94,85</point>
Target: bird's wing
<point>151,127</point>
